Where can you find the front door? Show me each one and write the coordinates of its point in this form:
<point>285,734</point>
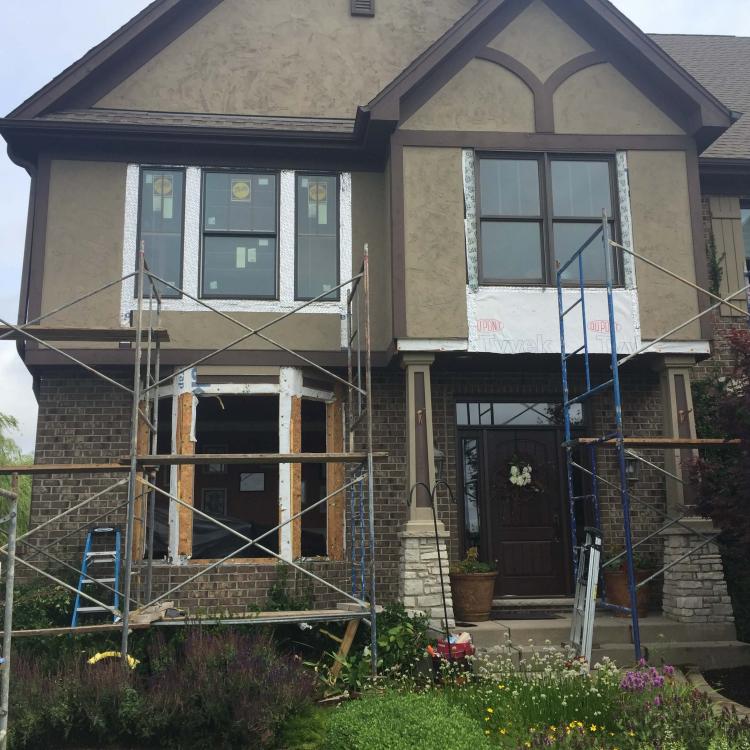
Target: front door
<point>522,524</point>
<point>525,521</point>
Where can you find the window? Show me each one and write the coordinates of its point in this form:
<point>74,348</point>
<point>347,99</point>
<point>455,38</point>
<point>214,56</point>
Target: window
<point>502,414</point>
<point>239,235</point>
<point>745,219</point>
<point>536,212</point>
<point>160,225</point>
<point>317,241</point>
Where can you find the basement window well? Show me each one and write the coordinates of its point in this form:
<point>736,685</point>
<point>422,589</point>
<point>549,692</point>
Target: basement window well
<point>243,497</point>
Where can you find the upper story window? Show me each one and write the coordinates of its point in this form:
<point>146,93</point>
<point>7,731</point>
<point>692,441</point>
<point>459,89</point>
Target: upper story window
<point>240,253</point>
<point>536,211</point>
<point>160,225</point>
<point>317,236</point>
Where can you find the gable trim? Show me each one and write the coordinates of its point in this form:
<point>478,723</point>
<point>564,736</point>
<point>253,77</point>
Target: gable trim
<point>636,56</point>
<point>107,64</point>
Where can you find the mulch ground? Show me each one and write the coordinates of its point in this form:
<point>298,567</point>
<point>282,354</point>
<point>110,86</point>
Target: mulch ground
<point>732,683</point>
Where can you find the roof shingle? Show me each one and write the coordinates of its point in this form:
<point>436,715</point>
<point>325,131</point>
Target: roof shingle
<point>722,65</point>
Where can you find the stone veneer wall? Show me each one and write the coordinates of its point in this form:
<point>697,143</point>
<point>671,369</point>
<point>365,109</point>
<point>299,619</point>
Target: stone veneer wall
<point>695,589</point>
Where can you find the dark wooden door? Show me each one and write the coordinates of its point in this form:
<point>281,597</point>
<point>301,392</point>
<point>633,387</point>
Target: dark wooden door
<point>525,527</point>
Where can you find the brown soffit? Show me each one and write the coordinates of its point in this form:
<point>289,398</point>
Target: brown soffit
<point>111,61</point>
<point>488,18</point>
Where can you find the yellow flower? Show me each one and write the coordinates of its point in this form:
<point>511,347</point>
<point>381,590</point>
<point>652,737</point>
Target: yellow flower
<point>132,662</point>
<point>503,731</point>
<point>593,727</point>
<point>490,710</point>
<point>486,731</point>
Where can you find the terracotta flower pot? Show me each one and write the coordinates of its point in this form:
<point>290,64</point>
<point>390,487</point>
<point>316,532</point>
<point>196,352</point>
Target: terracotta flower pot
<point>472,595</point>
<point>616,582</point>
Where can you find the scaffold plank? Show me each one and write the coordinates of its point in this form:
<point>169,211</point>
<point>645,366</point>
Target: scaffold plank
<point>199,459</point>
<point>63,469</point>
<point>89,333</point>
<point>657,442</point>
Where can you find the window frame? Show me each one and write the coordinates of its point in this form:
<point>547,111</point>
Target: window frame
<point>142,168</point>
<point>745,206</point>
<point>313,173</point>
<point>544,161</point>
<point>205,171</point>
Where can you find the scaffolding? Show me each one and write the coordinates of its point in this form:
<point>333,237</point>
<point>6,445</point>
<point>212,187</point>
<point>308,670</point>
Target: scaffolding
<point>601,241</point>
<point>145,337</point>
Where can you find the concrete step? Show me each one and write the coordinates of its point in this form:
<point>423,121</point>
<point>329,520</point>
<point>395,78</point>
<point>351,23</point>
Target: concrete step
<point>610,629</point>
<point>704,655</point>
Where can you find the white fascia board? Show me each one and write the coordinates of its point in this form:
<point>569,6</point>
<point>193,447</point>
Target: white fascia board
<point>432,345</point>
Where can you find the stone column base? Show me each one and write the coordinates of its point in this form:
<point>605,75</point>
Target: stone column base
<point>419,574</point>
<point>695,589</point>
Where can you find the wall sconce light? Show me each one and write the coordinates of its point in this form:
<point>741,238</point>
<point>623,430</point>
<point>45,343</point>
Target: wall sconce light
<point>632,469</point>
<point>439,464</point>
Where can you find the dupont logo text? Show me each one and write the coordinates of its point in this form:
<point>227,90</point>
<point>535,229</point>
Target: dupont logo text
<point>489,325</point>
<point>602,326</point>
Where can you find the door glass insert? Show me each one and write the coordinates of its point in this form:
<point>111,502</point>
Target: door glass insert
<point>502,414</point>
<point>470,459</point>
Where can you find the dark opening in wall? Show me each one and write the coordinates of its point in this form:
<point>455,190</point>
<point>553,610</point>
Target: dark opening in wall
<point>243,497</point>
<point>314,522</point>
<point>161,502</point>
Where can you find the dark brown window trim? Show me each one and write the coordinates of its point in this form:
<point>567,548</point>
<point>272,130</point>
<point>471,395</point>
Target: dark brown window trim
<point>275,234</point>
<point>548,220</point>
<point>309,173</point>
<point>167,293</point>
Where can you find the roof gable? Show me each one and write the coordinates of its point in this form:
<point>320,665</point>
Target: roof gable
<point>609,33</point>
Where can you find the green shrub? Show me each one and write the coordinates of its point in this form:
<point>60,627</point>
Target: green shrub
<point>210,687</point>
<point>396,721</point>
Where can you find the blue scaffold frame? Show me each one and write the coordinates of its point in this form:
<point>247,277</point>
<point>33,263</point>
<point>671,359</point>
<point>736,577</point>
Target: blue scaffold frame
<point>611,386</point>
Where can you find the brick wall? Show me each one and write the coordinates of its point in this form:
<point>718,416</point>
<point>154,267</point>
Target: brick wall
<point>84,419</point>
<point>642,415</point>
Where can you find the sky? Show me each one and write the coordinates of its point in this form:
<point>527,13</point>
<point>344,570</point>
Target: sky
<point>63,31</point>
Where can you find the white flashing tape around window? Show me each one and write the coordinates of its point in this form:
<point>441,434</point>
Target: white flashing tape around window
<point>290,384</point>
<point>192,242</point>
<point>679,347</point>
<point>626,232</point>
<point>470,218</point>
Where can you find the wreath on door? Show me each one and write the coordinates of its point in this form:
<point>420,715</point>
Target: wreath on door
<point>521,476</point>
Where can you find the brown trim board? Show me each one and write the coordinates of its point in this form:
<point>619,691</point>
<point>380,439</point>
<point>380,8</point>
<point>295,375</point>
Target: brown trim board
<point>181,357</point>
<point>541,141</point>
<point>38,239</point>
<point>699,239</point>
<point>398,235</point>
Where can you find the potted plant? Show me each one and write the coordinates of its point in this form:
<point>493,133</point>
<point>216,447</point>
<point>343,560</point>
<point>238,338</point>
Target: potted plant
<point>472,585</point>
<point>616,583</point>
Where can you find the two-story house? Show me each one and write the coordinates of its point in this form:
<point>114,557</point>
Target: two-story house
<point>253,148</point>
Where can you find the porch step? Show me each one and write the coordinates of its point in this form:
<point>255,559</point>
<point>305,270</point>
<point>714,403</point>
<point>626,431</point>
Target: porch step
<point>706,645</point>
<point>516,603</point>
<point>702,654</point>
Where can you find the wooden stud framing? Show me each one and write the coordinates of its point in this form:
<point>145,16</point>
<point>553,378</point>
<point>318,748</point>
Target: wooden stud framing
<point>335,476</point>
<point>295,444</point>
<point>185,445</point>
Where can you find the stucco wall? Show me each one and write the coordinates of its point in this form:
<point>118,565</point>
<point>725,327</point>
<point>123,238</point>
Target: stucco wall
<point>369,225</point>
<point>481,96</point>
<point>434,243</point>
<point>600,99</point>
<point>84,240</point>
<point>288,57</point>
<point>660,206</point>
<point>206,330</point>
<point>540,40</point>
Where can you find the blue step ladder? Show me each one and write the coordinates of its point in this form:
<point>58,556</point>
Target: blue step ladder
<point>100,574</point>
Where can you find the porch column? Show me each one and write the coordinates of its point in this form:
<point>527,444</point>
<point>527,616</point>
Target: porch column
<point>419,572</point>
<point>694,589</point>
